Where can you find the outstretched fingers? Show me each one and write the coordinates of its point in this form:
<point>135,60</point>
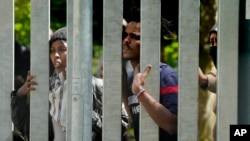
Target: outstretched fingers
<point>32,84</point>
<point>140,78</point>
<point>29,85</point>
<point>30,81</point>
<point>146,71</point>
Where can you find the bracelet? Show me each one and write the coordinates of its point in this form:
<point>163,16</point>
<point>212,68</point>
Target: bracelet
<point>140,92</point>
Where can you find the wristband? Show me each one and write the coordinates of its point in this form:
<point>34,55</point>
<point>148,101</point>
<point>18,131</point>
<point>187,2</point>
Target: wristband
<point>140,92</point>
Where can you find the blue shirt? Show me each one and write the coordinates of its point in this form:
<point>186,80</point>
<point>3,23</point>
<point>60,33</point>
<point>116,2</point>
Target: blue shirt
<point>168,98</point>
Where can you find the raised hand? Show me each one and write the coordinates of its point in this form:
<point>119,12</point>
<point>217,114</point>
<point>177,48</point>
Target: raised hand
<point>28,85</point>
<point>140,78</point>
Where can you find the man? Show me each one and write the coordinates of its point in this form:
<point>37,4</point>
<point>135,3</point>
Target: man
<point>209,81</point>
<point>163,112</point>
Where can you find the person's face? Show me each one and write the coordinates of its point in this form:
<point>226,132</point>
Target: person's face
<point>213,40</point>
<point>58,55</point>
<point>131,41</point>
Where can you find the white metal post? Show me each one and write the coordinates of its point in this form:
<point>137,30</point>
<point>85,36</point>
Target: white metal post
<point>189,22</point>
<point>227,91</point>
<point>39,106</point>
<point>81,129</point>
<point>7,67</point>
<point>150,54</point>
<point>69,67</point>
<point>112,20</point>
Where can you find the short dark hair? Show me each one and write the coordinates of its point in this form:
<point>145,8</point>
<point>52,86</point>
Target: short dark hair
<point>134,15</point>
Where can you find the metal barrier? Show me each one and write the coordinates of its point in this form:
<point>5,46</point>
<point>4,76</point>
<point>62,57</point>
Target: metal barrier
<point>188,86</point>
<point>227,100</point>
<point>40,67</point>
<point>112,69</point>
<point>79,23</point>
<point>6,61</point>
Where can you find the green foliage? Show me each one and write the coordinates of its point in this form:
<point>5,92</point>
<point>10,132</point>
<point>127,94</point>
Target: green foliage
<point>57,20</point>
<point>97,53</point>
<point>23,16</point>
<point>58,12</point>
<point>22,22</point>
<point>170,53</point>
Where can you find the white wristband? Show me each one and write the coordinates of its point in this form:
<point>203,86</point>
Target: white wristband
<point>140,92</point>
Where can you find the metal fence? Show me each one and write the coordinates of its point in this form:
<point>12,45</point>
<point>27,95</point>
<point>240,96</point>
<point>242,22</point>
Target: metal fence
<point>79,22</point>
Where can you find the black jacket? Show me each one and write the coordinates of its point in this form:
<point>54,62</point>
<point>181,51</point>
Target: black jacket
<point>20,114</point>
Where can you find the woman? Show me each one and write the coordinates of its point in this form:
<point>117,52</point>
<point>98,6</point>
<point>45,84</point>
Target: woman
<point>57,95</point>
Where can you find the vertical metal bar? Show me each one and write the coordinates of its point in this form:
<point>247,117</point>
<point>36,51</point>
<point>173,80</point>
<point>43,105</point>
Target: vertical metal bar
<point>189,22</point>
<point>6,70</point>
<point>82,71</point>
<point>69,67</point>
<point>150,46</point>
<point>227,53</point>
<point>112,69</point>
<point>248,9</point>
<point>39,107</point>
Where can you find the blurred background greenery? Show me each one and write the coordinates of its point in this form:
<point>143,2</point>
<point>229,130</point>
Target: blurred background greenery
<point>169,53</point>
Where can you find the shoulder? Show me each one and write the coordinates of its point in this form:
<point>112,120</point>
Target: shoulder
<point>97,81</point>
<point>97,85</point>
<point>168,75</point>
<point>165,69</point>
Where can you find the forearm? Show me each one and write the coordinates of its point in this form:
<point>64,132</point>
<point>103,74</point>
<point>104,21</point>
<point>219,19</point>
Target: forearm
<point>19,104</point>
<point>160,114</point>
<point>208,81</point>
<point>203,80</point>
<point>212,83</point>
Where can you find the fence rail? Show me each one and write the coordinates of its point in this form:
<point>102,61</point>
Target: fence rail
<point>6,61</point>
<point>188,54</point>
<point>227,89</point>
<point>79,23</point>
<point>112,69</point>
<point>39,103</point>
